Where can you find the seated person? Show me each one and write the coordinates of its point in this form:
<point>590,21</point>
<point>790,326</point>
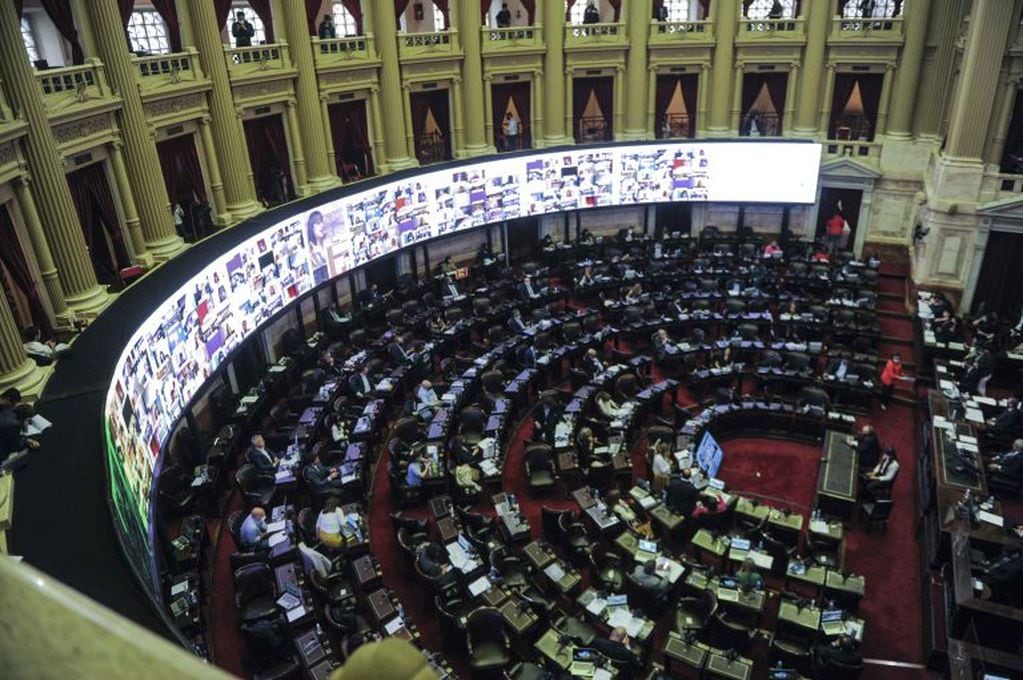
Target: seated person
<point>616,648</point>
<point>526,356</point>
<point>843,651</point>
<point>546,415</point>
<point>445,266</point>
<point>771,248</point>
<point>264,460</point>
<point>436,324</point>
<point>681,495</point>
<point>462,452</point>
<point>398,353</point>
<point>448,289</point>
<point>748,577</point>
<point>361,384</point>
<point>466,476</point>
<point>945,327</point>
<point>585,443</point>
<point>320,478</point>
<point>608,407</point>
<point>1009,466</point>
<point>328,364</point>
<point>253,534</point>
<point>707,505</point>
<point>414,473</point>
<point>528,291</point>
<point>432,559</point>
<point>586,278</point>
<point>646,576</point>
<point>427,401</point>
<point>883,475</point>
<point>1007,423</point>
<point>633,294</point>
<point>13,440</point>
<point>591,364</point>
<point>328,524</point>
<point>36,348</point>
<point>661,343</point>
<point>314,562</point>
<point>586,238</point>
<point>515,323</point>
<point>837,368</point>
<point>547,243</point>
<point>338,430</point>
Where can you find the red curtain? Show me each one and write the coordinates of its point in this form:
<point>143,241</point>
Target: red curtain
<point>265,14</point>
<point>422,104</point>
<point>665,90</point>
<point>746,4</point>
<point>354,8</point>
<point>690,83</point>
<point>98,216</point>
<point>18,5</point>
<point>870,91</point>
<point>419,103</point>
<point>399,8</point>
<point>518,93</point>
<point>777,83</point>
<point>126,7</point>
<point>60,14</point>
<point>705,4</point>
<point>602,89</point>
<point>617,6</point>
<point>530,6</point>
<point>312,15</point>
<point>223,11</point>
<point>169,13</point>
<point>444,8</point>
<point>349,128</point>
<point>182,172</point>
<point>13,259</point>
<point>484,9</point>
<point>844,84</point>
<point>268,153</point>
<point>568,10</point>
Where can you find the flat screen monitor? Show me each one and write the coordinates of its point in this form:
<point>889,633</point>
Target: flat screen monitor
<point>709,455</point>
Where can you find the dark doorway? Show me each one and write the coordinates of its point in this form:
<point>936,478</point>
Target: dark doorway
<point>845,202</point>
<point>854,106</point>
<point>101,226</point>
<point>674,216</point>
<point>1000,285</point>
<point>763,104</point>
<point>524,239</point>
<point>383,272</point>
<point>431,122</point>
<point>593,109</point>
<point>271,163</point>
<point>182,175</point>
<point>1012,156</point>
<point>512,103</point>
<point>675,112</point>
<point>349,128</point>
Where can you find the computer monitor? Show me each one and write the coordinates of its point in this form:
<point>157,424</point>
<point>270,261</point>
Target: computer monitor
<point>615,600</point>
<point>832,615</point>
<point>709,455</point>
<point>741,544</point>
<point>648,546</point>
<point>782,674</point>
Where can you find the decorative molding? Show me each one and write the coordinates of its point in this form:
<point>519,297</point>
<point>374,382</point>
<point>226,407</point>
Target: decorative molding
<point>84,127</point>
<point>8,154</point>
<point>172,105</point>
<point>264,89</point>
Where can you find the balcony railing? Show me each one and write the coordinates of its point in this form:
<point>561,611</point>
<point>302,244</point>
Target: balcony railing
<point>258,58</point>
<point>1012,184</point>
<point>429,44</point>
<point>875,28</point>
<point>516,37</point>
<point>340,51</point>
<point>853,128</point>
<point>161,70</point>
<point>64,87</point>
<point>761,125</point>
<point>672,32</point>
<point>853,148</point>
<point>676,126</point>
<point>770,28</point>
<point>594,35</point>
<point>593,130</point>
<point>432,148</point>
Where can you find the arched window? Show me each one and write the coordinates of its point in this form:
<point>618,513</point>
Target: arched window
<point>29,38</point>
<point>676,10</point>
<point>343,20</point>
<point>761,9</point>
<point>259,31</point>
<point>859,9</point>
<point>147,32</point>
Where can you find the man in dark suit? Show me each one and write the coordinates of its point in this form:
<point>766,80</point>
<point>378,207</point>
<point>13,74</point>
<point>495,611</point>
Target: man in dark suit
<point>868,448</point>
<point>1009,466</point>
<point>837,368</point>
<point>843,650</point>
<point>360,384</point>
<point>681,494</point>
<point>369,296</point>
<point>527,357</point>
<point>591,364</point>
<point>660,342</point>
<point>320,478</point>
<point>448,288</point>
<point>527,291</point>
<point>546,415</point>
<point>333,320</point>
<point>398,353</point>
<point>258,455</point>
<point>1007,423</point>
<point>515,323</point>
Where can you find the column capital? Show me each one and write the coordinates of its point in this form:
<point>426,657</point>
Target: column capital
<point>374,90</point>
<point>407,86</point>
<point>116,144</point>
<point>457,80</point>
<point>488,77</point>
<point>830,66</point>
<point>652,68</point>
<point>205,119</point>
<point>619,68</point>
<point>290,102</point>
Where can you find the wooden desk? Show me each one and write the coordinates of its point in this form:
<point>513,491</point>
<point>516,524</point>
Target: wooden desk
<point>838,477</point>
<point>440,506</point>
<point>665,518</point>
<point>692,655</point>
<point>538,555</point>
<point>807,618</point>
<point>366,574</point>
<point>494,596</point>
<point>751,602</point>
<point>310,648</point>
<point>380,606</point>
<point>720,666</point>
<point>704,540</point>
<point>851,587</point>
<point>814,575</point>
<point>790,524</point>
<point>519,618</point>
<point>751,510</point>
<point>570,578</point>
<point>447,530</point>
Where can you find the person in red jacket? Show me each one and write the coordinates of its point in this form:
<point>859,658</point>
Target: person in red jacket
<point>892,372</point>
<point>834,227</point>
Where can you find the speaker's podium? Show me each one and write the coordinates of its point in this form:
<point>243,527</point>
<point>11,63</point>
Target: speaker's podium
<point>838,477</point>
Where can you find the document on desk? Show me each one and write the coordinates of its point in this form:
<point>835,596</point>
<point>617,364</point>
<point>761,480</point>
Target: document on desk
<point>480,585</point>
<point>36,424</point>
<point>274,527</point>
<point>289,601</point>
<point>991,518</point>
<point>554,572</point>
<point>975,415</point>
<point>619,616</point>
<point>296,613</point>
<point>276,539</point>
<point>179,588</point>
<point>601,674</point>
<point>597,606</point>
<point>819,526</point>
<point>394,625</point>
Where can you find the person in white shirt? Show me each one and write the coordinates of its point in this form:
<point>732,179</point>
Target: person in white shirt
<point>36,348</point>
<point>428,400</point>
<point>510,127</point>
<point>314,562</point>
<point>883,474</point>
<point>328,524</point>
<point>338,431</point>
<point>609,408</point>
<point>661,466</point>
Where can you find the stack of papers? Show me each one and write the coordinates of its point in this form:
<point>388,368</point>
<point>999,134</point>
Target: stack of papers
<point>554,571</point>
<point>277,538</point>
<point>480,585</point>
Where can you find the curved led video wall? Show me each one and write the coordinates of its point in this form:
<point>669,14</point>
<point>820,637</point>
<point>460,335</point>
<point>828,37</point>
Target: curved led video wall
<point>189,334</point>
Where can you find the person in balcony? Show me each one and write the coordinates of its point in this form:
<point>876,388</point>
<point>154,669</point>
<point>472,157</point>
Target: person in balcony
<point>591,15</point>
<point>327,28</point>
<point>242,30</point>
<point>510,128</point>
<point>504,16</point>
<point>776,11</point>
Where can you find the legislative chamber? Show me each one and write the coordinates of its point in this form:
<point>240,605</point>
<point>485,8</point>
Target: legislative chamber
<point>653,339</point>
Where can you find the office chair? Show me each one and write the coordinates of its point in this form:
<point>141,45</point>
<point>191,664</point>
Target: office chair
<point>700,264</point>
<point>749,331</point>
<point>360,338</point>
<point>409,542</point>
<point>727,632</point>
<point>573,537</point>
<point>747,250</point>
<point>660,433</point>
<point>514,574</point>
<point>539,461</point>
<point>571,331</point>
<point>407,430</point>
<point>481,306</point>
<point>453,315</point>
<point>256,488</point>
<point>694,613</point>
<point>734,307</point>
<point>601,475</point>
<point>255,592</point>
<point>471,424</point>
<point>581,632</point>
<point>411,308</point>
<point>496,335</point>
<point>527,670</point>
<point>289,668</point>
<point>835,670</point>
<point>592,324</point>
<point>486,640</point>
<point>877,512</point>
<point>710,231</point>
<point>550,522</point>
<point>709,285</point>
<point>791,653</point>
<point>606,567</point>
<point>627,387</point>
<point>452,616</point>
<point>814,397</point>
<point>797,361</point>
<point>395,318</point>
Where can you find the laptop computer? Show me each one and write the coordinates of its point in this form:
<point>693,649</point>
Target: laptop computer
<point>728,590</point>
<point>582,663</point>
<point>833,621</point>
<point>741,544</point>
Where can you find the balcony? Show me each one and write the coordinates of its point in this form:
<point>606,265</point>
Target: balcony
<point>68,87</point>
<point>329,53</point>
<point>875,30</point>
<point>854,148</point>
<point>771,29</point>
<point>428,45</point>
<point>517,38</point>
<point>245,62</point>
<point>169,71</point>
<point>596,36</point>
<point>675,32</point>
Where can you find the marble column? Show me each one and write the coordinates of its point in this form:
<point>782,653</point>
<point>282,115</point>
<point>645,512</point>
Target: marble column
<point>397,149</point>
<point>57,212</point>
<point>318,169</point>
<point>725,15</point>
<point>127,196</point>
<point>978,79</point>
<point>40,247</point>
<point>140,158</point>
<point>470,22</point>
<point>808,103</point>
<point>637,79</point>
<point>296,134</point>
<point>225,124</point>
<point>218,202</point>
<point>16,369</point>
<point>937,74</point>
<point>914,23</point>
<point>554,129</point>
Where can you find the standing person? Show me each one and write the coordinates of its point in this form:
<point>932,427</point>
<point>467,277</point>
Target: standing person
<point>179,220</point>
<point>892,372</point>
<point>776,11</point>
<point>510,128</point>
<point>833,230</point>
<point>504,16</point>
<point>242,30</point>
<point>591,15</point>
<point>327,28</point>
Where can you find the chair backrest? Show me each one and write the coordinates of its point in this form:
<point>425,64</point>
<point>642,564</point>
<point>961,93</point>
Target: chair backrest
<point>797,361</point>
<point>410,308</point>
<point>495,334</point>
<point>492,381</point>
<point>814,396</point>
<point>234,525</point>
<point>627,385</point>
<point>571,331</point>
<point>247,477</point>
<point>453,314</point>
<point>538,456</point>
<point>484,624</point>
<point>591,324</point>
<point>549,521</point>
<point>734,306</point>
<point>252,581</point>
<point>471,418</point>
<point>407,429</point>
<point>481,305</point>
<point>395,317</point>
<point>883,507</point>
<point>749,331</point>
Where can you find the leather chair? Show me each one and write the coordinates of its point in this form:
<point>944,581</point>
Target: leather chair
<point>481,306</point>
<point>734,307</point>
<point>255,592</point>
<point>471,423</point>
<point>289,668</point>
<point>409,542</point>
<point>407,429</point>
<point>495,334</point>
<point>550,522</point>
<point>627,387</point>
<point>416,527</point>
<point>242,557</point>
<point>573,537</point>
<point>877,512</point>
<point>452,616</point>
<point>728,632</point>
<point>476,525</point>
<point>539,462</point>
<point>359,338</point>
<point>527,670</point>
<point>815,398</point>
<point>486,640</point>
<point>395,318</point>
<point>694,613</point>
<point>514,575</point>
<point>581,632</point>
<point>307,525</point>
<point>591,324</point>
<point>749,331</point>
<point>791,653</point>
<point>660,433</point>
<point>606,567</point>
<point>492,383</point>
<point>256,488</point>
<point>571,331</point>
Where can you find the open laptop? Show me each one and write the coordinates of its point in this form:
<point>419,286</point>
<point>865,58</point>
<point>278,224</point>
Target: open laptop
<point>740,544</point>
<point>833,622</point>
<point>582,663</point>
<point>728,590</point>
<point>647,550</point>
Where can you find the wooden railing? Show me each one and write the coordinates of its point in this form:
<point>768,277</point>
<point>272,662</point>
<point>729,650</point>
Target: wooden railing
<point>662,32</point>
<point>593,129</point>
<point>161,70</point>
<point>875,28</point>
<point>761,125</point>
<point>591,34</point>
<point>335,51</point>
<point>514,37</point>
<point>431,148</point>
<point>245,60</point>
<point>675,126</point>
<point>63,87</point>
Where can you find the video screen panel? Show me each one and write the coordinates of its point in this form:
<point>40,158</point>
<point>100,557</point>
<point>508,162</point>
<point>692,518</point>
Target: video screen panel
<point>187,337</point>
